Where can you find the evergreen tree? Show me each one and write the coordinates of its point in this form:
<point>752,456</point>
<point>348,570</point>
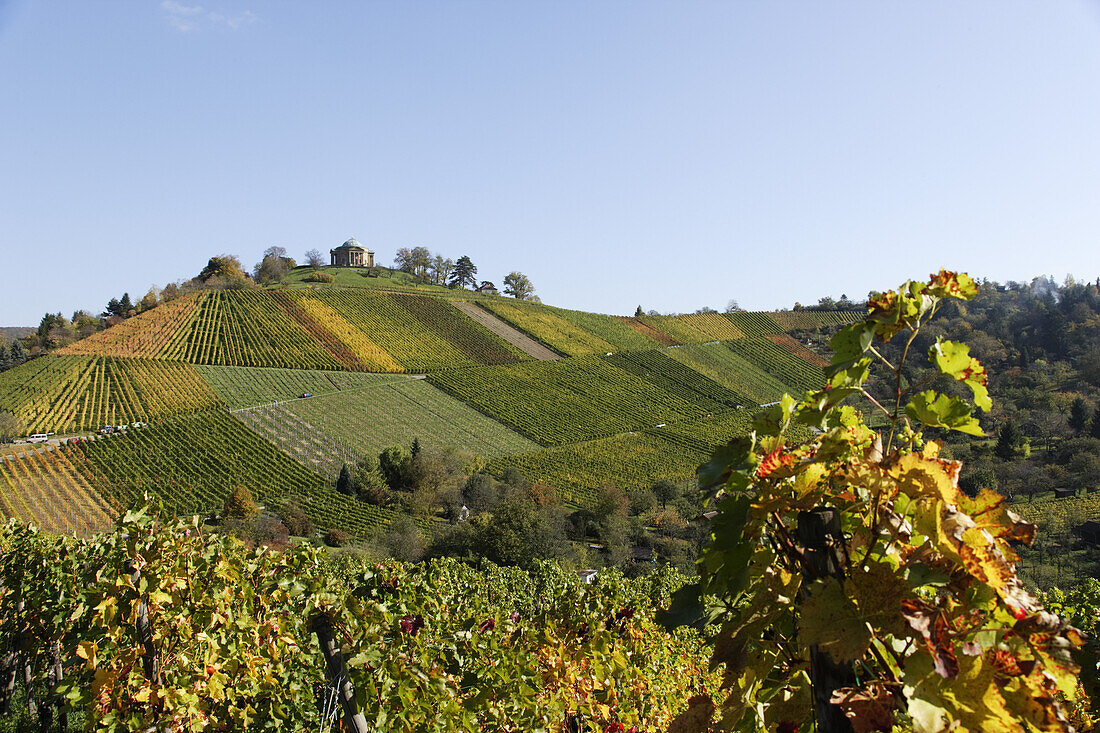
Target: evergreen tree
<point>464,273</point>
<point>1080,415</point>
<point>5,357</point>
<point>1095,430</point>
<point>639,312</point>
<point>344,483</point>
<point>18,353</point>
<point>125,305</point>
<point>1010,442</point>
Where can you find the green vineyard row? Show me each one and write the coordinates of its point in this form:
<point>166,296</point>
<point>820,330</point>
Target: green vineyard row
<point>64,394</point>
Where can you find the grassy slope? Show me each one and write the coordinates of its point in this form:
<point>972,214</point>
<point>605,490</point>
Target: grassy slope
<point>329,430</point>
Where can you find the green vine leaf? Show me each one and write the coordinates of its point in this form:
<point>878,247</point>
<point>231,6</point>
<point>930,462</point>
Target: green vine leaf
<point>954,360</point>
<point>943,411</point>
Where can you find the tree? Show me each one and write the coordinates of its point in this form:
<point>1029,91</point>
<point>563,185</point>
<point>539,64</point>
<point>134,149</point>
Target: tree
<point>638,313</point>
<point>5,357</point>
<point>274,267</point>
<point>240,504</point>
<point>518,286</point>
<point>345,483</point>
<point>666,491</point>
<point>441,269</point>
<point>464,273</point>
<point>370,484</point>
<point>1094,431</point>
<point>125,305</point>
<point>315,259</point>
<point>1011,442</point>
<point>224,267</point>
<point>421,260</point>
<point>732,306</point>
<point>395,464</point>
<point>11,427</point>
<point>1080,415</point>
<point>18,353</point>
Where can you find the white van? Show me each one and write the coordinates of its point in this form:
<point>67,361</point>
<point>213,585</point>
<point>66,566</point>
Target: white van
<point>38,438</point>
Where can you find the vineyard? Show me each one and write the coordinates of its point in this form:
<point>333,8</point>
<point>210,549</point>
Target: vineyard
<point>734,372</point>
<point>247,328</point>
<point>779,362</point>
<point>807,320</point>
<point>327,431</point>
<point>41,486</point>
<point>251,386</point>
<point>556,402</point>
<point>546,326</point>
<point>140,337</point>
<point>380,318</point>
<point>429,647</point>
<point>678,379</point>
<point>66,394</point>
<point>630,460</point>
<point>190,465</point>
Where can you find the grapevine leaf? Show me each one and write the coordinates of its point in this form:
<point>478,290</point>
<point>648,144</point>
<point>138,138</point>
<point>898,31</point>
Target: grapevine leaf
<point>947,284</point>
<point>954,360</point>
<point>868,708</point>
<point>725,460</point>
<point>932,624</point>
<point>942,411</point>
<point>849,345</point>
<point>830,620</point>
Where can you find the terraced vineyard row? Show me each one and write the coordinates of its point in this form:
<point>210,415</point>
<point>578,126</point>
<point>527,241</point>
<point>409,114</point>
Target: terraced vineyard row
<point>719,363</point>
<point>42,486</point>
<point>247,328</point>
<point>193,462</point>
<point>778,361</point>
<point>79,393</point>
<point>240,387</point>
<point>442,317</point>
<point>676,378</point>
<point>326,431</point>
<point>807,320</point>
<point>544,325</point>
<point>798,350</point>
<point>556,402</point>
<point>140,337</point>
<point>384,322</point>
<point>631,460</point>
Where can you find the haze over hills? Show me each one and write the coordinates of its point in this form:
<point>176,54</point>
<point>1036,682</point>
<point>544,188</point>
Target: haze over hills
<point>217,380</point>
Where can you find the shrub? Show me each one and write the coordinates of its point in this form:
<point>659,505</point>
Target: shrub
<point>336,538</point>
<point>320,277</point>
<point>240,504</point>
<point>296,521</point>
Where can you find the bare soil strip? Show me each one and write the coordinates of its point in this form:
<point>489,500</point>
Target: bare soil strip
<point>510,334</point>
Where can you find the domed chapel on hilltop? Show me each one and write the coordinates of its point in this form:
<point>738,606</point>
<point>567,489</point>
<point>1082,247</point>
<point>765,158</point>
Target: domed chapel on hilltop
<point>352,254</point>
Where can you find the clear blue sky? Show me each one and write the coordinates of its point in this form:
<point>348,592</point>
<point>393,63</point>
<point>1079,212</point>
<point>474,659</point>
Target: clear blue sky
<point>669,154</point>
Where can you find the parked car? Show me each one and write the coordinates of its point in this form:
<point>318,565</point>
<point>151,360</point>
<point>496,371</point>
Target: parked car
<point>306,394</point>
<point>38,438</point>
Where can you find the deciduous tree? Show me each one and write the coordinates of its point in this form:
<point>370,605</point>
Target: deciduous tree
<point>518,286</point>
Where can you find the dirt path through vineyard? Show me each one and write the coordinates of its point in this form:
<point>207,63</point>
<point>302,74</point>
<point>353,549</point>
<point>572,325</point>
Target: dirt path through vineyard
<point>507,332</point>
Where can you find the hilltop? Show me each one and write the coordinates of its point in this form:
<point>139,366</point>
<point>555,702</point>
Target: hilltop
<point>279,389</point>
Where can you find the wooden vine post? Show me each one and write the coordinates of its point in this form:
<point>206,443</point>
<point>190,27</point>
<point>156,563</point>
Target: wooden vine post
<point>338,673</point>
<point>824,555</point>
